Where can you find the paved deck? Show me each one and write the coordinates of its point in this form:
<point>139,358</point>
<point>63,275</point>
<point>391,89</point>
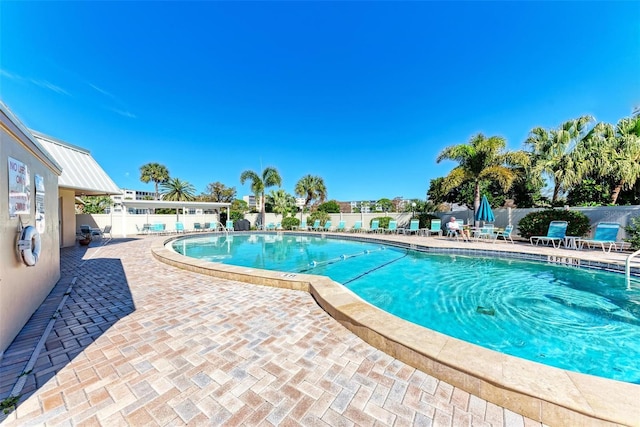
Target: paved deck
<point>138,342</point>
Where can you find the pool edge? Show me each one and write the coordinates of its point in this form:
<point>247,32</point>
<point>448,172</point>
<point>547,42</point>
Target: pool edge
<point>550,395</point>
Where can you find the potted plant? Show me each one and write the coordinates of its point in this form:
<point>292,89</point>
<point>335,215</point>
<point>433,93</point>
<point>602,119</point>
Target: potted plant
<point>86,239</point>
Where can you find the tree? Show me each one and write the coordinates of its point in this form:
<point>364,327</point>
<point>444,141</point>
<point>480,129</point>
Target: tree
<point>482,159</point>
<point>554,155</point>
<point>331,206</point>
<point>270,177</point>
<point>282,203</point>
<point>617,153</point>
<point>154,172</point>
<point>95,204</point>
<point>386,205</point>
<point>218,192</point>
<point>176,190</point>
<point>311,188</point>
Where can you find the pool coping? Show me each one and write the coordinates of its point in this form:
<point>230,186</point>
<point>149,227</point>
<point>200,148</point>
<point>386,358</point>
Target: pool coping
<point>547,394</point>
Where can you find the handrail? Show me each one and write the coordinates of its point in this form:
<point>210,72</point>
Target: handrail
<point>627,267</point>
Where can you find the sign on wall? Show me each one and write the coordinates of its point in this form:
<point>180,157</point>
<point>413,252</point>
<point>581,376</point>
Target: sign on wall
<point>40,224</point>
<point>19,189</point>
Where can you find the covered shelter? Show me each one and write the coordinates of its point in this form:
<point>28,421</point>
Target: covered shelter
<point>156,204</point>
<point>81,176</point>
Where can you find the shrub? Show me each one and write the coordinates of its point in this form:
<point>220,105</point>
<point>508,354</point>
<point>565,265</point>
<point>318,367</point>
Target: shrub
<point>383,221</point>
<point>633,232</point>
<point>537,223</point>
<point>290,222</point>
<point>237,215</point>
<point>322,216</point>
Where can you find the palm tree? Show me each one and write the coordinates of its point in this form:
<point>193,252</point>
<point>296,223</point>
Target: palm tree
<point>270,177</point>
<point>311,188</point>
<point>615,153</point>
<point>482,159</point>
<point>554,155</point>
<point>282,202</point>
<point>154,172</point>
<point>178,191</point>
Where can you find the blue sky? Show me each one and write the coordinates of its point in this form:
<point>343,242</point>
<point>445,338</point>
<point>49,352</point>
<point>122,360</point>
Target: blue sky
<point>363,94</point>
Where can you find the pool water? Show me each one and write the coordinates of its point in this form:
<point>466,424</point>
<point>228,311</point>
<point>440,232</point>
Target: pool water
<point>575,319</point>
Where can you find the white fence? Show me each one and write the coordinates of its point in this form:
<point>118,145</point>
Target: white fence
<point>129,224</point>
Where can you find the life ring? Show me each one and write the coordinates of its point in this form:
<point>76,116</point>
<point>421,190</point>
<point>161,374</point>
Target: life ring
<point>30,245</point>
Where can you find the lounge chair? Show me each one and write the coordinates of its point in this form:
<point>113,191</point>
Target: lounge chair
<point>392,228</point>
<point>435,228</point>
<point>303,226</point>
<point>605,236</point>
<point>375,226</point>
<point>341,226</point>
<point>229,225</point>
<point>197,226</point>
<point>555,234</point>
<point>327,226</point>
<point>459,232</point>
<point>506,234</point>
<point>179,227</point>
<point>316,225</point>
<point>414,227</point>
<point>357,227</point>
<point>270,226</point>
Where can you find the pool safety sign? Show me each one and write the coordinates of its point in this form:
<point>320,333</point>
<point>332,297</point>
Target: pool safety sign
<point>40,224</point>
<point>19,189</point>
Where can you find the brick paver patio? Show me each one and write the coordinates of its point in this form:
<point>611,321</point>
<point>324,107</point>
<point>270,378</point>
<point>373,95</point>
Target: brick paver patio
<point>137,342</point>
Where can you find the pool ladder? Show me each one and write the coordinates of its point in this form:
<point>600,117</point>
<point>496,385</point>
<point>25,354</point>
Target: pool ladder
<point>627,267</point>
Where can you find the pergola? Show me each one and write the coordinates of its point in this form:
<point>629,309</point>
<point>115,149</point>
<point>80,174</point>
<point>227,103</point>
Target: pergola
<point>153,204</point>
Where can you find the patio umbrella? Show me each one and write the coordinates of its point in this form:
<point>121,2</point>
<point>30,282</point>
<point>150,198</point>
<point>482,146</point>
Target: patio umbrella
<point>484,212</point>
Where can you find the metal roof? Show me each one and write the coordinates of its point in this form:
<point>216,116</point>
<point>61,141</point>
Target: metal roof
<point>143,204</point>
<point>80,172</point>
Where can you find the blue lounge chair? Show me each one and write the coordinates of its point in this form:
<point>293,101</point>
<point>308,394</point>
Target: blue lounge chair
<point>271,226</point>
<point>414,227</point>
<point>435,228</point>
<point>341,226</point>
<point>357,227</point>
<point>316,225</point>
<point>392,228</point>
<point>197,226</point>
<point>605,236</point>
<point>229,226</point>
<point>375,226</point>
<point>506,234</point>
<point>327,226</point>
<point>179,227</point>
<point>555,234</point>
<point>303,226</point>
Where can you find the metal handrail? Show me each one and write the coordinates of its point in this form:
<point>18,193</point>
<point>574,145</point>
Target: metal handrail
<point>627,267</point>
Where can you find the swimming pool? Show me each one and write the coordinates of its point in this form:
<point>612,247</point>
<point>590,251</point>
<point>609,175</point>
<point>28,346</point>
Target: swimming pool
<point>575,319</point>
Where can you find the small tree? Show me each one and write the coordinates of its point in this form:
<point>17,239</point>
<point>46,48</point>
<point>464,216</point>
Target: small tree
<point>330,207</point>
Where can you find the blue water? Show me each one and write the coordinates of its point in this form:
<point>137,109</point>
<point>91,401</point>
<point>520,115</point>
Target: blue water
<point>576,319</point>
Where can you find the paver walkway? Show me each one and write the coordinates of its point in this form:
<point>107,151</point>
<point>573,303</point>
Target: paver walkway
<point>138,342</point>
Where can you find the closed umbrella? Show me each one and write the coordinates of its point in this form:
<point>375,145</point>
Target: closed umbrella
<point>484,212</point>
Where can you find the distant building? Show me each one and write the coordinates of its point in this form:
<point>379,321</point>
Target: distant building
<point>252,201</point>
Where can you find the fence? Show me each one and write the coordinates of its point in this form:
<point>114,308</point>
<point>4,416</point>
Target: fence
<point>129,223</point>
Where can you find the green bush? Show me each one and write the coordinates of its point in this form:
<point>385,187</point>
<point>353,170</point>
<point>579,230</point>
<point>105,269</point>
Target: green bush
<point>633,233</point>
<point>322,216</point>
<point>383,221</point>
<point>290,222</point>
<point>237,215</point>
<point>537,223</point>
<point>330,207</point>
